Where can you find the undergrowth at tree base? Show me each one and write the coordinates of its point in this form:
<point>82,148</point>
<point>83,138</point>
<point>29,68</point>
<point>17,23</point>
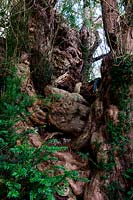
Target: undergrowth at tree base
<point>19,174</point>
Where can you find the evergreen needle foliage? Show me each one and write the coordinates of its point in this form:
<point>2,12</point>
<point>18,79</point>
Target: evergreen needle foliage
<point>19,174</point>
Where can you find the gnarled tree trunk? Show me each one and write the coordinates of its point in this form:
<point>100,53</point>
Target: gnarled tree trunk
<point>96,122</point>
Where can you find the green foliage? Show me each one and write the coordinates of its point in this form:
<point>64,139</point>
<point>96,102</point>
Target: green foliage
<point>117,138</point>
<point>19,174</point>
<point>115,192</point>
<point>83,155</point>
<point>121,74</point>
<point>5,7</point>
<point>114,189</point>
<point>52,98</point>
<point>129,195</point>
<point>106,165</point>
<point>72,11</point>
<point>128,174</point>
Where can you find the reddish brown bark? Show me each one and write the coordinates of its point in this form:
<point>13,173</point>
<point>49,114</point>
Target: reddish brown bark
<point>55,45</point>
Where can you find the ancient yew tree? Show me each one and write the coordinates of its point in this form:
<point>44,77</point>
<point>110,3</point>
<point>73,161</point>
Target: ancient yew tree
<point>62,135</point>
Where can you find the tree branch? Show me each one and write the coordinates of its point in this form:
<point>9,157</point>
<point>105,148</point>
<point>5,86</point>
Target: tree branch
<point>100,57</point>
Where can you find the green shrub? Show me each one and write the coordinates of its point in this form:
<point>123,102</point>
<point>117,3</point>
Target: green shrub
<point>19,174</point>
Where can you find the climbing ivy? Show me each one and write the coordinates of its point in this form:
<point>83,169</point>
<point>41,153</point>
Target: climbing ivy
<point>121,75</point>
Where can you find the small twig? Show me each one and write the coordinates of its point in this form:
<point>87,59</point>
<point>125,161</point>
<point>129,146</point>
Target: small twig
<point>100,57</point>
